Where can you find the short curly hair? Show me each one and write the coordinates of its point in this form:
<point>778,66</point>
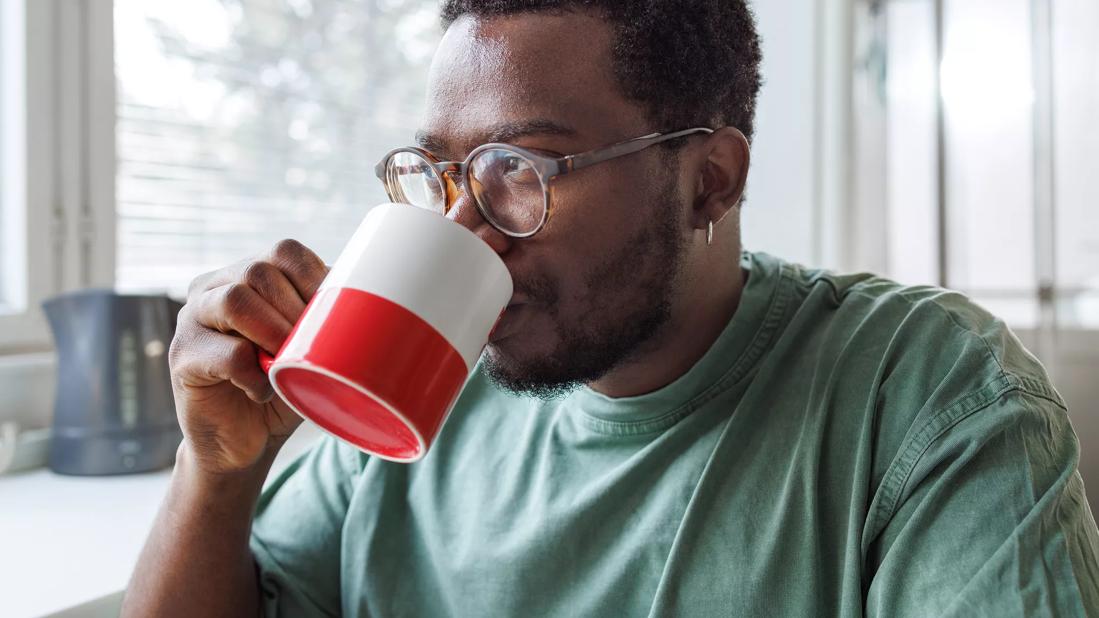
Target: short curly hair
<point>688,62</point>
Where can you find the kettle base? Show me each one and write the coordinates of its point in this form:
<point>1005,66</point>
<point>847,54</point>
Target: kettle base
<point>119,453</point>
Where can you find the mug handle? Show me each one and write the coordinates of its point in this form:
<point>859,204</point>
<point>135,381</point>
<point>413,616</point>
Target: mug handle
<point>265,361</point>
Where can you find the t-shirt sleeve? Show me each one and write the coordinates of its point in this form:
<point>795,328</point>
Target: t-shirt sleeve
<point>984,514</point>
<point>297,531</point>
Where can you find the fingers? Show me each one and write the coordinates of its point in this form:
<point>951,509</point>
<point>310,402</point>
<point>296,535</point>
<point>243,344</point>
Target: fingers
<point>302,267</point>
<point>231,311</point>
<point>289,265</point>
<point>274,287</point>
<point>202,357</point>
<point>236,308</point>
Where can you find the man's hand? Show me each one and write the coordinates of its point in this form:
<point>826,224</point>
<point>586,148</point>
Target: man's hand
<point>225,403</point>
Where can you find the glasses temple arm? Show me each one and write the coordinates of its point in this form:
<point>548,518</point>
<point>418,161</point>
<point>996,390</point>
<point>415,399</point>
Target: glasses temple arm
<point>584,159</point>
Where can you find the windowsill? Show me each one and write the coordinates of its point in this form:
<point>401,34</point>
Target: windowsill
<point>66,541</point>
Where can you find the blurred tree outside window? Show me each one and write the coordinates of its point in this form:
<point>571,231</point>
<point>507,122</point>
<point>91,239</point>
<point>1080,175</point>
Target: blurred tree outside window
<point>241,122</point>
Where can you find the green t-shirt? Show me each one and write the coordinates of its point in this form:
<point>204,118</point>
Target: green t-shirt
<point>847,446</point>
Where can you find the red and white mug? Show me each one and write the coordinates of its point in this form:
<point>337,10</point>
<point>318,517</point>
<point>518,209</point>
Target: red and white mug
<point>385,346</point>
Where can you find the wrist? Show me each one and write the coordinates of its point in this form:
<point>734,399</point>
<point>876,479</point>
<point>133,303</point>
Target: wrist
<point>191,469</point>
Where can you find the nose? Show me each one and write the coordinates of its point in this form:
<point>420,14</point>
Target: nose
<point>464,211</point>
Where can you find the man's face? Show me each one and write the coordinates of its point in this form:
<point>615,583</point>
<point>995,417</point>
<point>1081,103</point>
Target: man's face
<point>599,279</point>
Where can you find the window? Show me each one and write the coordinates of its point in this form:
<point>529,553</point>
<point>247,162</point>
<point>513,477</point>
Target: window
<point>57,158</point>
<point>26,239</point>
<point>241,122</point>
<point>1075,77</point>
<point>911,191</point>
<point>988,142</point>
<point>987,87</point>
<point>12,255</point>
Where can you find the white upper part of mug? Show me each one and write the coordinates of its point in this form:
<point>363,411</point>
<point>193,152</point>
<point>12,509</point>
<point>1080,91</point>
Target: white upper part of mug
<point>431,266</point>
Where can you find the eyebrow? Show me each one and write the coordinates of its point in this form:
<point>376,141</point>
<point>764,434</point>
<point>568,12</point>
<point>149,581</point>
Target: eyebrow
<point>501,133</point>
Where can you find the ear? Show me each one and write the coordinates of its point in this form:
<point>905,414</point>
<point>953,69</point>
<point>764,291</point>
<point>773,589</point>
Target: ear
<point>722,176</point>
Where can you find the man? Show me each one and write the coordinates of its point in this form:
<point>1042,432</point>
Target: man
<point>663,424</point>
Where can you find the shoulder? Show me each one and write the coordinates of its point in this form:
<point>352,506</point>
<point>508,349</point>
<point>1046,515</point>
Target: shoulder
<point>917,330</point>
<point>925,365</point>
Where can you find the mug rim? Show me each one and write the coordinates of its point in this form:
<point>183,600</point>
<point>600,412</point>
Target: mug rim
<point>307,365</point>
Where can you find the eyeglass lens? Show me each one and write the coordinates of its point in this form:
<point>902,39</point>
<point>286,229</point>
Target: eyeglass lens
<point>505,184</point>
<point>412,180</point>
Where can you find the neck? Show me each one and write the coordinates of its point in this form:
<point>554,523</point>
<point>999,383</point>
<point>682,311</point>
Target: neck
<point>704,308</point>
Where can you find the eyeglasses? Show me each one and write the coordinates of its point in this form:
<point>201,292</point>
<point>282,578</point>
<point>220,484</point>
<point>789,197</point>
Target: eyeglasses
<point>509,185</point>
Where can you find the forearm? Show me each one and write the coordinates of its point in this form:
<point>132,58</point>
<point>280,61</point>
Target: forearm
<point>196,561</point>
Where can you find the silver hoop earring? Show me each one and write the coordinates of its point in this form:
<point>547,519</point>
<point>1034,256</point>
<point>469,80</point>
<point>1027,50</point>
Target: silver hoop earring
<point>710,232</point>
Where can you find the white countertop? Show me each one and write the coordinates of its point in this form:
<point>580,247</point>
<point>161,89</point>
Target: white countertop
<point>66,540</point>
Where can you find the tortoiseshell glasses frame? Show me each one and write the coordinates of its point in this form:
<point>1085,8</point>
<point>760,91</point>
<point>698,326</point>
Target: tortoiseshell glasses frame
<point>439,177</point>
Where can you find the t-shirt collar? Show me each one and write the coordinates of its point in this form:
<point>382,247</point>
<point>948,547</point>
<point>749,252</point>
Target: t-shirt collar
<point>728,360</point>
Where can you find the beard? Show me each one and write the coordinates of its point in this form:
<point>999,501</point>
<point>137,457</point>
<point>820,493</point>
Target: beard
<point>626,307</point>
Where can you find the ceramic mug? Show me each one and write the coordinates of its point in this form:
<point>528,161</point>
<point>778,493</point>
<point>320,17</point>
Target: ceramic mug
<point>386,344</point>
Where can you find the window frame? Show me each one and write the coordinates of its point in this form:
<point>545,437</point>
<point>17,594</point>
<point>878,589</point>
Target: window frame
<point>60,166</point>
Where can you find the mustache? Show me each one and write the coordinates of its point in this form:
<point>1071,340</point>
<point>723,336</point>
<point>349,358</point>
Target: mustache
<point>535,288</point>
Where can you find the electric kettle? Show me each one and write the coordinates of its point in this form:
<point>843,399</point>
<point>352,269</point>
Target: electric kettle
<point>114,412</point>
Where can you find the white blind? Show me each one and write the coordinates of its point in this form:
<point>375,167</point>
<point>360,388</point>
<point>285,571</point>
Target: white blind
<point>241,122</point>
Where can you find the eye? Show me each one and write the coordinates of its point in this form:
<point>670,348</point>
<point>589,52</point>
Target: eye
<point>518,170</point>
<point>433,188</point>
